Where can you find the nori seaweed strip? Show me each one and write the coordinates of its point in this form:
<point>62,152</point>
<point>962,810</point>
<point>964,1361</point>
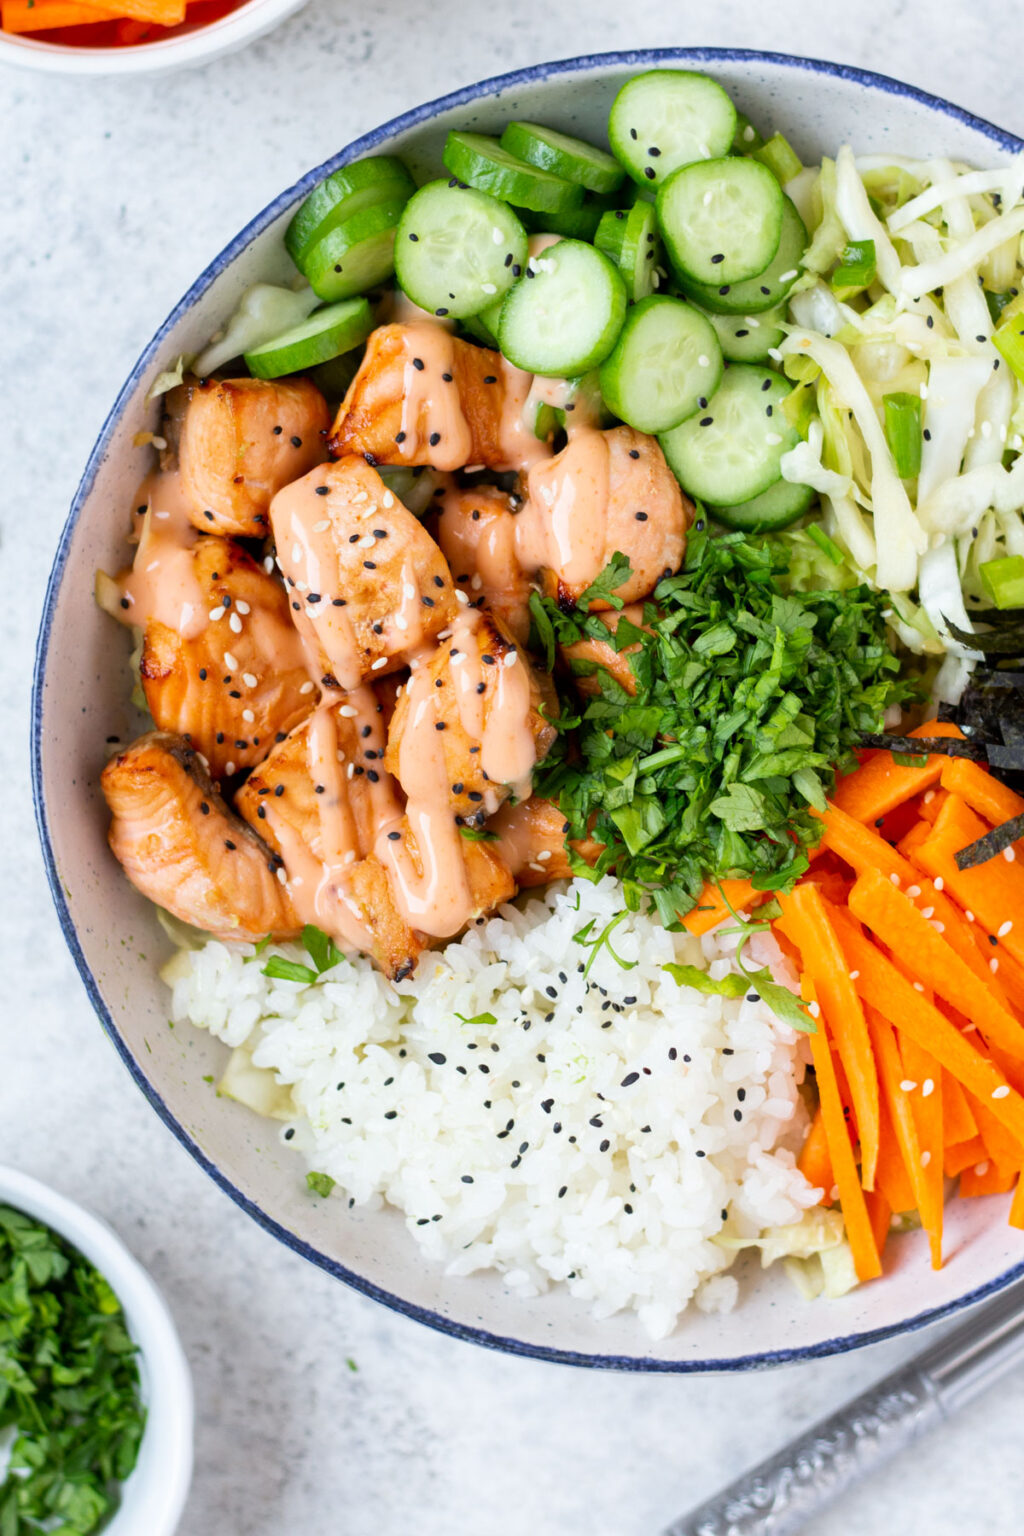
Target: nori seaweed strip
<point>1005,643</point>
<point>991,844</point>
<point>922,746</point>
<point>1008,758</point>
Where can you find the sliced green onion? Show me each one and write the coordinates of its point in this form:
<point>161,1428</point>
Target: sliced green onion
<point>1003,580</point>
<point>905,760</point>
<point>824,543</point>
<point>1009,338</point>
<point>997,302</point>
<point>856,267</point>
<point>903,432</point>
<point>780,157</point>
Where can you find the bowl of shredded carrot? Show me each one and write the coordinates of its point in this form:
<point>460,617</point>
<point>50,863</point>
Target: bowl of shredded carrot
<point>130,36</point>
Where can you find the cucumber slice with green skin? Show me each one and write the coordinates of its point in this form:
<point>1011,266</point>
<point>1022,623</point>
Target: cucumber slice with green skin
<point>326,334</point>
<point>573,159</point>
<point>731,451</point>
<point>333,378</point>
<point>747,138</point>
<point>354,256</point>
<point>769,288</point>
<point>378,179</point>
<point>749,338</point>
<point>577,223</point>
<point>721,219</point>
<point>777,507</point>
<point>667,118</point>
<point>565,318</point>
<point>481,162</point>
<point>484,326</point>
<point>665,365</point>
<point>629,237</point>
<point>457,249</point>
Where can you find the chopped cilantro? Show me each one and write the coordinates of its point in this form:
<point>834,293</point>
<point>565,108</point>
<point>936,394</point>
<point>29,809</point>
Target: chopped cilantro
<point>279,969</point>
<point>749,697</point>
<point>480,1018</point>
<point>478,834</point>
<point>69,1384</point>
<point>321,948</point>
<point>320,1183</point>
<point>603,941</point>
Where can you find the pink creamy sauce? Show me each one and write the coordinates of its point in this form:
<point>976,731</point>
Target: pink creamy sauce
<point>564,523</point>
<point>162,583</point>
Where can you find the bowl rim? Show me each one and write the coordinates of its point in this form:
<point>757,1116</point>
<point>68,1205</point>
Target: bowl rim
<point>644,58</point>
<point>170,1402</point>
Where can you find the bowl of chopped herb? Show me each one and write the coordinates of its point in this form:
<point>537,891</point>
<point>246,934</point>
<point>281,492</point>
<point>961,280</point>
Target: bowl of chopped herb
<point>96,1407</point>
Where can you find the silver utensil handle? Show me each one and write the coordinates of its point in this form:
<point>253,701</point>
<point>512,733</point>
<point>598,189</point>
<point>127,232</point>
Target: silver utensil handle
<point>786,1490</point>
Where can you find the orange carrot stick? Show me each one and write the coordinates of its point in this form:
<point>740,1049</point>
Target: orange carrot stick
<point>893,1180</point>
<point>965,1154</point>
<point>806,921</point>
<point>988,1178</point>
<point>988,796</point>
<point>958,1123</point>
<point>718,901</point>
<point>880,1217</point>
<point>880,784</point>
<point>25,16</point>
<point>851,1196</point>
<point>926,1107</point>
<point>914,838</point>
<point>886,989</point>
<point>890,1074</point>
<point>1017,1208</point>
<point>902,927</point>
<point>814,1162</point>
<point>993,891</point>
<point>931,802</point>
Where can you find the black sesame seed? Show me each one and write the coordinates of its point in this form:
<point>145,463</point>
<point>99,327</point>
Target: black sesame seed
<point>672,1053</point>
<point>204,808</point>
<point>604,1145</point>
<point>737,1114</point>
<point>706,421</point>
<point>641,517</point>
<point>296,442</point>
<point>629,1079</point>
<point>279,790</point>
<point>368,565</point>
<point>552,992</point>
<point>392,1114</point>
<point>434,439</point>
<point>741,1094</point>
<point>278,431</point>
<point>418,364</point>
<point>649,172</point>
<point>229,845</point>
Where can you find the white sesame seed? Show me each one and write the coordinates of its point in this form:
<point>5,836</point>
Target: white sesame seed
<point>477,581</point>
<point>235,624</point>
<point>926,1158</point>
<point>907,1086</point>
<point>215,614</point>
<point>544,855</point>
<point>772,438</point>
<point>706,199</point>
<point>1001,1092</point>
<point>488,288</point>
<point>302,586</point>
<point>510,658</point>
<point>981,1169</point>
<point>350,770</point>
<point>814,1009</point>
<point>775,354</point>
<point>367,542</point>
<point>248,716</point>
<point>230,662</point>
<point>918,987</point>
<point>787,277</point>
<point>401,622</point>
<point>915,891</point>
<point>929,796</point>
<point>854,975</point>
<point>705,362</point>
<point>387,501</point>
<point>927,1087</point>
<point>282,877</point>
<point>833,1193</point>
<point>348,711</point>
<point>268,565</point>
<point>993,966</point>
<point>250,679</point>
<point>895,879</point>
<point>296,553</point>
<point>381,661</point>
<point>924,391</point>
<point>160,443</point>
<point>408,591</point>
<point>306,688</point>
<point>322,526</point>
<point>361,496</point>
<point>969,915</point>
<point>755,325</point>
<point>460,596</point>
<point>986,429</point>
<point>161,515</point>
<point>939,883</point>
<point>229,768</point>
<point>1004,929</point>
<point>243,607</point>
<point>939,927</point>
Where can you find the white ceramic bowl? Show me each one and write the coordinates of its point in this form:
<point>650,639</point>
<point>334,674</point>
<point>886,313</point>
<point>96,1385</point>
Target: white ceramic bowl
<point>81,698</point>
<point>233,31</point>
<point>153,1497</point>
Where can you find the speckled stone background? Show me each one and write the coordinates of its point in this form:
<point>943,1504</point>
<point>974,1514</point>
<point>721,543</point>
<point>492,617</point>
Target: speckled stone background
<point>113,195</point>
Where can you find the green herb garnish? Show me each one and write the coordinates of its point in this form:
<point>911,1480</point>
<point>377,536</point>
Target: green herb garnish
<point>320,1183</point>
<point>603,941</point>
<point>480,1018</point>
<point>478,834</point>
<point>321,948</point>
<point>279,969</point>
<point>69,1383</point>
<point>749,697</point>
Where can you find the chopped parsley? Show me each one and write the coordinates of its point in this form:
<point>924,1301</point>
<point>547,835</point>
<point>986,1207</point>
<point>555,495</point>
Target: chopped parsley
<point>320,1183</point>
<point>69,1384</point>
<point>749,697</point>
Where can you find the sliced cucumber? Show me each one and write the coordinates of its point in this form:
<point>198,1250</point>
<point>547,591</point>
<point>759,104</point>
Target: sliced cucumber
<point>484,326</point>
<point>629,237</point>
<point>665,365</point>
<point>777,507</point>
<point>481,162</point>
<point>576,223</point>
<point>769,288</point>
<point>749,338</point>
<point>565,317</point>
<point>721,219</point>
<point>457,249</point>
<point>573,159</point>
<point>355,255</point>
<point>325,335</point>
<point>667,118</point>
<point>731,451</point>
<point>378,179</point>
<point>746,138</point>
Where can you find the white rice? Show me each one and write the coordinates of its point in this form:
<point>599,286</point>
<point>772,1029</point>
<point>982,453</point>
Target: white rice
<point>606,1132</point>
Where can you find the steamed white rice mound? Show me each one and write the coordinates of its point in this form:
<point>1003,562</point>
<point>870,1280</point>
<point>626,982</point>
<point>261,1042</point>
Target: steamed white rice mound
<point>616,1133</point>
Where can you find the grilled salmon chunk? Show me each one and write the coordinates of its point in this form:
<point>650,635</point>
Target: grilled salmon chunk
<point>477,701</point>
<point>366,583</point>
<point>531,841</point>
<point>234,686</point>
<point>240,441</point>
<point>476,530</point>
<point>598,653</point>
<point>422,396</point>
<point>182,847</point>
<point>604,492</point>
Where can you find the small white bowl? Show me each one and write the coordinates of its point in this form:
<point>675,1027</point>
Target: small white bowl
<point>233,31</point>
<point>153,1497</point>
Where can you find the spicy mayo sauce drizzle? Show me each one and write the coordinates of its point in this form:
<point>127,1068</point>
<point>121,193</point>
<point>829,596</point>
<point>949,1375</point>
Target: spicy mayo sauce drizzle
<point>162,583</point>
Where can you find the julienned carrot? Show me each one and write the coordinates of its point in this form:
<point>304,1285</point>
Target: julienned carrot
<point>805,919</point>
<point>930,803</point>
<point>993,891</point>
<point>926,1107</point>
<point>855,1212</point>
<point>880,784</point>
<point>965,1154</point>
<point>892,1179</point>
<point>814,1162</point>
<point>987,1179</point>
<point>880,1217</point>
<point>1017,1207</point>
<point>905,931</point>
<point>958,1124</point>
<point>984,794</point>
<point>45,15</point>
<point>914,838</point>
<point>999,1144</point>
<point>904,1126</point>
<point>887,990</point>
<point>718,901</point>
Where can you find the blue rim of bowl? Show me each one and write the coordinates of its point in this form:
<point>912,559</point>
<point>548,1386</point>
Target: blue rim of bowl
<point>369,143</point>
